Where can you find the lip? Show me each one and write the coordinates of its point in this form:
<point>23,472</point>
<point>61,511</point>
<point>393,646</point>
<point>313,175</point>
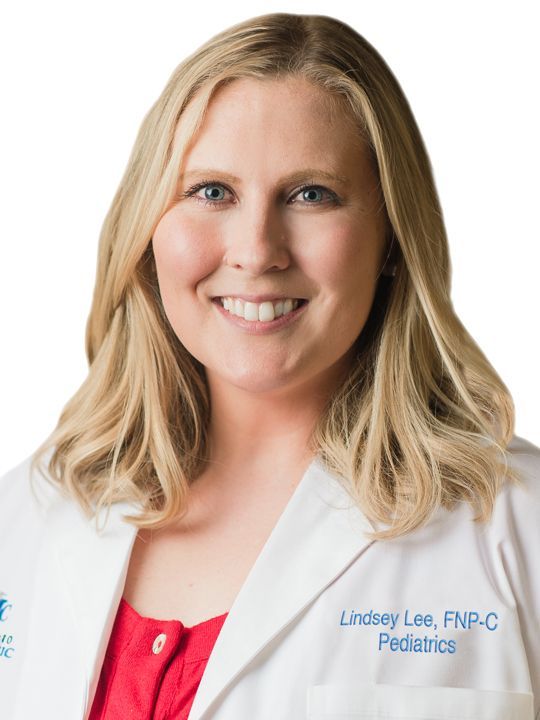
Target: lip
<point>258,298</point>
<point>257,327</point>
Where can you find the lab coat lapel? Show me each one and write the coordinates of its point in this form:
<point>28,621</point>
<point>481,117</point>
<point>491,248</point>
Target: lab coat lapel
<point>81,575</point>
<point>318,534</point>
<point>94,570</point>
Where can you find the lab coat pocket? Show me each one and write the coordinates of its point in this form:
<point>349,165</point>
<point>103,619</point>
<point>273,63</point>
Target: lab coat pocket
<point>400,702</point>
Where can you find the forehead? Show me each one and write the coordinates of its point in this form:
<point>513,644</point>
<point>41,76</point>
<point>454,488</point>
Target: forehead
<point>275,121</point>
<point>294,91</point>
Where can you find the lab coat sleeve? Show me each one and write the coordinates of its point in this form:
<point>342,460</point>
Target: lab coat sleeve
<point>520,549</point>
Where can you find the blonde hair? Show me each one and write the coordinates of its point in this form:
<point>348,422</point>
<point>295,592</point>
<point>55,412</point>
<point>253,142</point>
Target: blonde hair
<point>421,421</point>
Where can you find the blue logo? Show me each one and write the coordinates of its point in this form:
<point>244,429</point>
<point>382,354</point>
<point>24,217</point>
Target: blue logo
<point>5,607</point>
<point>7,648</point>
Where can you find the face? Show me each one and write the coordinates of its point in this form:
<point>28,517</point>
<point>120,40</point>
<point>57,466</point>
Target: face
<point>276,201</point>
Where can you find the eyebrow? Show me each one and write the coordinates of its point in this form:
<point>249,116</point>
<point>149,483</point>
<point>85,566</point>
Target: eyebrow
<point>297,176</point>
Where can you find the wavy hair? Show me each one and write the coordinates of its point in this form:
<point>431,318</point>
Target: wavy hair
<point>421,421</point>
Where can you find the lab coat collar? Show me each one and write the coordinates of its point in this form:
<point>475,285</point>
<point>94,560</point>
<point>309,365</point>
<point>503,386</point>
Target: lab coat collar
<point>318,534</point>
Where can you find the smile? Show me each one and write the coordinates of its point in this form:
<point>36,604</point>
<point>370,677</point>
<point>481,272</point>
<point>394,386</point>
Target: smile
<point>264,311</point>
<point>262,317</point>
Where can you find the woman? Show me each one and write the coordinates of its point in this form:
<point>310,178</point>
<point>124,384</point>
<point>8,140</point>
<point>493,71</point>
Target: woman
<point>289,486</point>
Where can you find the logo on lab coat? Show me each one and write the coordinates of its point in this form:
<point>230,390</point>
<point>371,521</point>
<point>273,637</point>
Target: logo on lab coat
<point>6,640</point>
<point>5,607</point>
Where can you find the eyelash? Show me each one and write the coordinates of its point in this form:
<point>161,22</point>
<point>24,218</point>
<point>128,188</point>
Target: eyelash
<point>308,186</point>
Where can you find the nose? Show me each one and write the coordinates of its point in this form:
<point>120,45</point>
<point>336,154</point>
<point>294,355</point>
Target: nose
<point>256,239</point>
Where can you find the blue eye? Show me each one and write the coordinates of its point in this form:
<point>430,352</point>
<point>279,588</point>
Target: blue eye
<point>315,195</point>
<point>309,192</point>
<point>212,192</point>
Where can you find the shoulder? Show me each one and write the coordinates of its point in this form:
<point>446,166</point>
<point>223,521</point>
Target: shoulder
<point>524,455</point>
<point>512,537</point>
<point>515,522</point>
<point>521,501</point>
<point>26,492</point>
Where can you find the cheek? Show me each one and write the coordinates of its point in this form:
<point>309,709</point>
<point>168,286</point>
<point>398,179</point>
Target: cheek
<point>343,263</point>
<point>348,262</point>
<point>183,252</point>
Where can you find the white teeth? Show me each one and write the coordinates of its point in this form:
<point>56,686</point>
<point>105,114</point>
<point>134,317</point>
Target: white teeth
<point>251,311</point>
<point>263,312</point>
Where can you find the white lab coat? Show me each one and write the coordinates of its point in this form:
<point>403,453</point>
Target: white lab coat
<point>443,623</point>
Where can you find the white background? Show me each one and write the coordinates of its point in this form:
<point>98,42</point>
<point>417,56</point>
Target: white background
<point>77,79</point>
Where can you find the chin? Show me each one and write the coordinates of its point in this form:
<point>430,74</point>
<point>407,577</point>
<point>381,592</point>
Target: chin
<point>253,381</point>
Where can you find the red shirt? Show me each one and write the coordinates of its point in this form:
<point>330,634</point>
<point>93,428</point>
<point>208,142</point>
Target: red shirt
<point>152,668</point>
